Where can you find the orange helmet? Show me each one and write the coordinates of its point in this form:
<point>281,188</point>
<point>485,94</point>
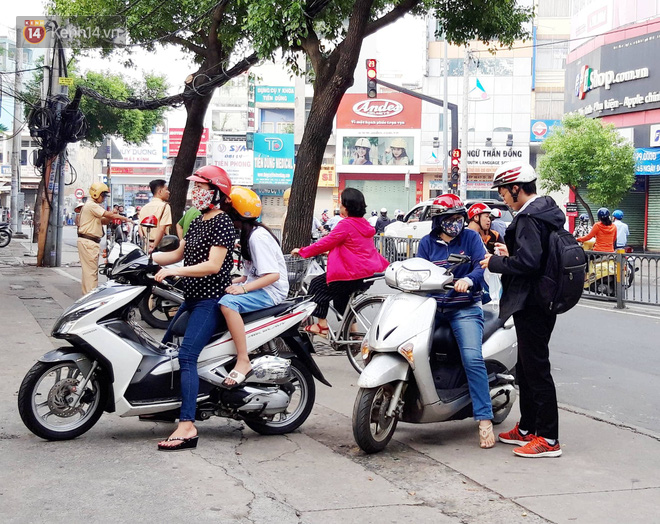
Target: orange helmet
<point>246,202</point>
<point>213,175</point>
<point>478,209</point>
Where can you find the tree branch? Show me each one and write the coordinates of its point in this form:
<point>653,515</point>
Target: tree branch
<point>177,40</point>
<point>311,45</point>
<point>400,10</point>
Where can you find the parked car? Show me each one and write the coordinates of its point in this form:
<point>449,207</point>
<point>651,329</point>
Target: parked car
<point>417,223</point>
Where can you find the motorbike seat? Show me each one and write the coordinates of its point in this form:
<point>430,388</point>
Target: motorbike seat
<point>181,323</point>
<point>444,342</point>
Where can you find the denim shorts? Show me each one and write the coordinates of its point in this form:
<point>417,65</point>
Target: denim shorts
<point>252,301</point>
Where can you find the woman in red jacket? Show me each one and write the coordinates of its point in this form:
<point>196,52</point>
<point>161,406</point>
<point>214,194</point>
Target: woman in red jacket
<point>352,258</point>
<point>604,231</point>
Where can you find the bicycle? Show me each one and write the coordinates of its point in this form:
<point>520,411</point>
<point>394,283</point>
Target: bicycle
<point>356,319</point>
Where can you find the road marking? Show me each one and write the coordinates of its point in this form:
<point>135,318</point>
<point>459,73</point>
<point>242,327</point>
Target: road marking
<point>621,312</point>
<point>62,272</point>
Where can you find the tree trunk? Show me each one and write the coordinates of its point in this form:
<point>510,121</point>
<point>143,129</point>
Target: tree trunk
<point>334,75</point>
<point>584,204</point>
<point>185,159</point>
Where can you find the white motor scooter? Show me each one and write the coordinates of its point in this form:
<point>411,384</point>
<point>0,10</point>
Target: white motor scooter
<point>109,363</point>
<point>413,368</point>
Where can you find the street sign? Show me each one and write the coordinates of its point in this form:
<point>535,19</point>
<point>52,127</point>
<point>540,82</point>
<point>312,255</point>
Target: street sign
<point>65,81</point>
<point>79,194</point>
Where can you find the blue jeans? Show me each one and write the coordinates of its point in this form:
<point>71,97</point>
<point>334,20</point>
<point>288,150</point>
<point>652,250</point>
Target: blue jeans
<point>467,323</point>
<point>204,320</point>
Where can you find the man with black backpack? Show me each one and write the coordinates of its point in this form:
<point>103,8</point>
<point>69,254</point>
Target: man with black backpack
<point>522,262</point>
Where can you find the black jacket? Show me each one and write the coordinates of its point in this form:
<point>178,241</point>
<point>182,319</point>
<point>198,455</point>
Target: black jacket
<point>527,241</point>
<point>381,223</point>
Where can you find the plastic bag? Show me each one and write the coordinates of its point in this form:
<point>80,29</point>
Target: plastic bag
<point>494,286</point>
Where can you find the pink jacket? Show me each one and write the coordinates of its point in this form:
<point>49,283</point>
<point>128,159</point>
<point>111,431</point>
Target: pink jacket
<point>352,251</point>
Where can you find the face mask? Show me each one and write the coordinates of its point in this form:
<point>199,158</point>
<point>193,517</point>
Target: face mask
<point>202,198</point>
<point>452,227</point>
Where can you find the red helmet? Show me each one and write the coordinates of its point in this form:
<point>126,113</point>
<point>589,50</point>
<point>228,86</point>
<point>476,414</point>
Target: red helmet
<point>213,175</point>
<point>447,205</point>
<point>513,173</point>
<point>149,222</point>
<point>478,209</point>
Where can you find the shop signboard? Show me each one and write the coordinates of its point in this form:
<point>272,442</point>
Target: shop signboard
<point>379,135</point>
<point>235,158</point>
<point>495,156</point>
<point>327,176</point>
<point>273,158</point>
<point>540,129</point>
<point>275,95</point>
<point>175,136</point>
<point>616,78</point>
<point>149,152</point>
<point>647,161</point>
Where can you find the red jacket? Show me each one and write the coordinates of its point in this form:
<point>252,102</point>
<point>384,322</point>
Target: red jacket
<point>352,252</point>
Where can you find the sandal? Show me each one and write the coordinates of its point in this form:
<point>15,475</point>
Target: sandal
<point>322,330</point>
<point>184,443</point>
<point>485,435</point>
<point>237,377</point>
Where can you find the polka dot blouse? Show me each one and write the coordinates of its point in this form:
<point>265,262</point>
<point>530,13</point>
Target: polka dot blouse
<point>201,236</point>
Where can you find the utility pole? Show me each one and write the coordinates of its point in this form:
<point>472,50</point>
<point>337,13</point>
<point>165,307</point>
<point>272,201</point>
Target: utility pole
<point>462,185</point>
<point>15,205</point>
<point>445,125</point>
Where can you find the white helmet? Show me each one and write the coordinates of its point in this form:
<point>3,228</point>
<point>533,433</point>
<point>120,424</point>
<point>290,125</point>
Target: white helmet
<point>513,173</point>
<point>363,142</point>
<point>383,210</point>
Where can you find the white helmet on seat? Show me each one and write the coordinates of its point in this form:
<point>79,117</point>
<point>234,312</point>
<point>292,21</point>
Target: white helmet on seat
<point>513,173</point>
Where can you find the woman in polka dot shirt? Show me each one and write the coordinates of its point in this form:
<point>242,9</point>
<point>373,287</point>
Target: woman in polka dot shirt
<point>207,273</point>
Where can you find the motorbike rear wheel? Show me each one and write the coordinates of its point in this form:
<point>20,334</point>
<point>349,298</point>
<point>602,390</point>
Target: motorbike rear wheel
<point>5,237</point>
<point>300,406</point>
<point>157,311</point>
<point>355,326</point>
<point>45,401</point>
<point>372,428</point>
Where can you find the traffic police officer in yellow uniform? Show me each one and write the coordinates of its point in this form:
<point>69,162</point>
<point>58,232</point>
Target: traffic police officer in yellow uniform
<point>90,230</point>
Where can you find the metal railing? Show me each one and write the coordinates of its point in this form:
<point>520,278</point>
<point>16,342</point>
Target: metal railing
<point>623,277</point>
<point>393,248</point>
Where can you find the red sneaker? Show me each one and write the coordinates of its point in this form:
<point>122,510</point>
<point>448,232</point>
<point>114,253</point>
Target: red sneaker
<point>537,448</point>
<point>515,437</point>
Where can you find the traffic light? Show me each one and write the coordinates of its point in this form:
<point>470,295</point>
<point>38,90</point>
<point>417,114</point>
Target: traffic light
<point>372,91</point>
<point>455,166</point>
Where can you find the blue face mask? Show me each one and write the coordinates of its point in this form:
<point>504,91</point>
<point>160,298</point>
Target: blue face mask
<point>452,226</point>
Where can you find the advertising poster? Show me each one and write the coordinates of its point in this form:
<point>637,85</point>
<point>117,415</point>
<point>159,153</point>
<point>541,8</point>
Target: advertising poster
<point>235,159</point>
<point>273,158</point>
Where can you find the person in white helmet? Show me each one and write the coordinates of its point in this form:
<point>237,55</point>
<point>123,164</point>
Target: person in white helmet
<point>496,222</point>
<point>521,262</point>
<point>383,220</point>
<point>361,153</point>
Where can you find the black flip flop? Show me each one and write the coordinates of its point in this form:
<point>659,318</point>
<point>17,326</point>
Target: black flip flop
<point>184,443</point>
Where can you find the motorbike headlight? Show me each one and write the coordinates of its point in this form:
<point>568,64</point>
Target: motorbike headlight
<point>365,350</point>
<point>406,351</point>
<point>71,316</point>
<point>411,280</point>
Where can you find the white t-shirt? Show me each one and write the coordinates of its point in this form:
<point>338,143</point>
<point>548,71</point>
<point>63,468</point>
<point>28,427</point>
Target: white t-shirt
<point>267,258</point>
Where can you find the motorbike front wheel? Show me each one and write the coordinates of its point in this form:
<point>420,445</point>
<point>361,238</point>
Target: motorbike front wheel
<point>157,311</point>
<point>5,237</point>
<point>46,398</point>
<point>372,428</point>
<point>303,395</point>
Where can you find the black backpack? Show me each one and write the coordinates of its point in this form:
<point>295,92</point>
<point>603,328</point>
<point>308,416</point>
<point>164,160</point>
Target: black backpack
<point>562,282</point>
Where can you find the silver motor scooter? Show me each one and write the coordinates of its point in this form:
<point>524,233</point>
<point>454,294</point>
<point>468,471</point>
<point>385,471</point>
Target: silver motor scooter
<point>413,368</point>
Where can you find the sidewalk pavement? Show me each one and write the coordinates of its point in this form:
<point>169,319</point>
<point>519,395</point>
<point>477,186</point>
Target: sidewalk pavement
<point>430,473</point>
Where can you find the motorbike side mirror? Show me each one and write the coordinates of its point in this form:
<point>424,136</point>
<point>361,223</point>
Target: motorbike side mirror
<point>457,258</point>
<point>169,243</point>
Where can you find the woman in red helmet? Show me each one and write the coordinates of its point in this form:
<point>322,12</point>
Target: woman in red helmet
<point>461,308</point>
<point>207,273</point>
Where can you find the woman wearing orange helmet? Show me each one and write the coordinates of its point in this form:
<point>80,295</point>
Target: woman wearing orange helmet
<point>264,283</point>
<point>207,273</point>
